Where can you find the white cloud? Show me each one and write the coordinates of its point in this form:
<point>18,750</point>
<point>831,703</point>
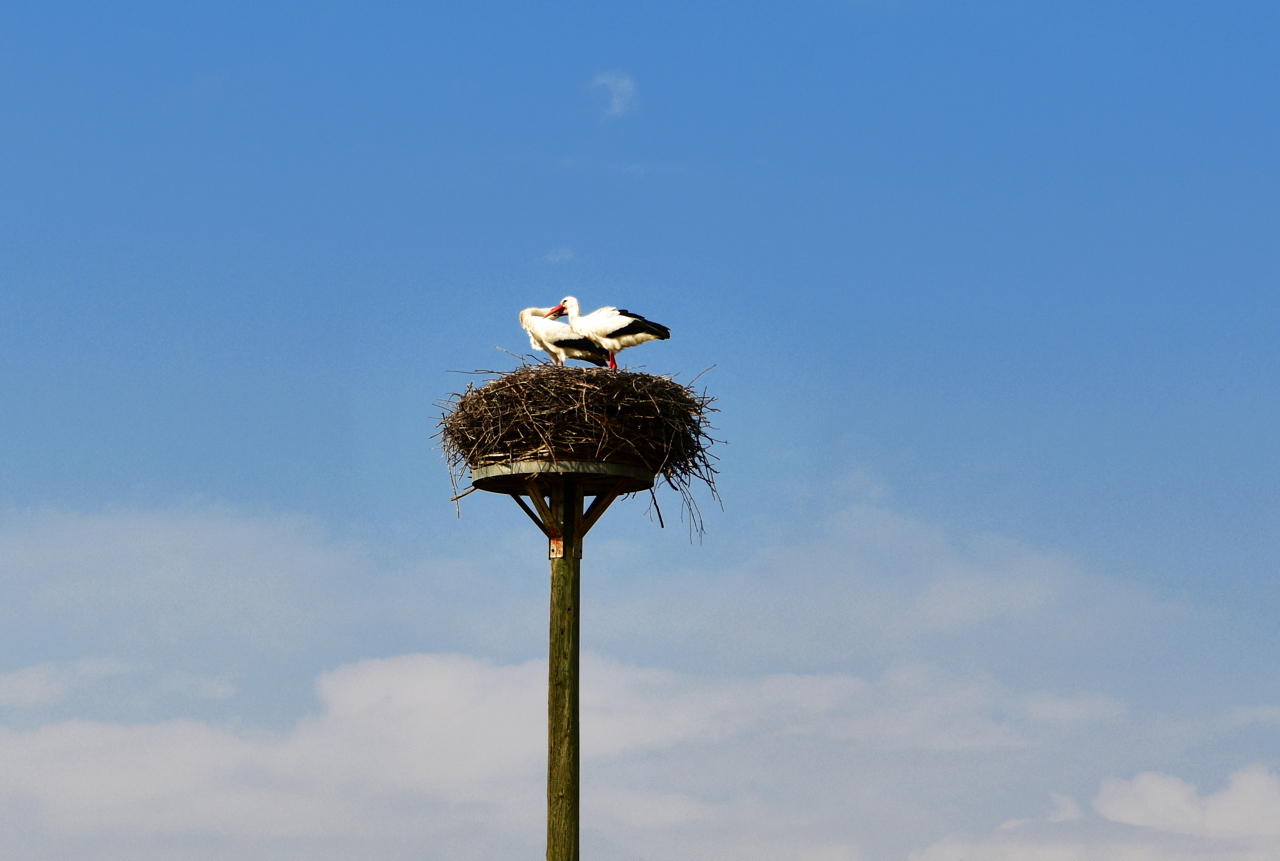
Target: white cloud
<point>645,809</point>
<point>622,91</point>
<point>1065,808</point>
<point>1153,817</point>
<point>1249,806</point>
<point>1068,710</point>
<point>563,254</point>
<point>1087,842</point>
<point>851,758</point>
<point>434,746</point>
<point>439,727</point>
<point>967,598</point>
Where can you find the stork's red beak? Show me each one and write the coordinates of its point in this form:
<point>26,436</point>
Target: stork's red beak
<point>556,311</point>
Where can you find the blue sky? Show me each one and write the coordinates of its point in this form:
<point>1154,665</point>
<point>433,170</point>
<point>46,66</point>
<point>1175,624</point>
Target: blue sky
<point>990,292</point>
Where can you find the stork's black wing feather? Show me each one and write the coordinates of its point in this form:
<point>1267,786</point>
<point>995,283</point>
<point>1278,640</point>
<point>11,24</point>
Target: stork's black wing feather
<point>596,354</point>
<point>584,345</point>
<point>640,326</point>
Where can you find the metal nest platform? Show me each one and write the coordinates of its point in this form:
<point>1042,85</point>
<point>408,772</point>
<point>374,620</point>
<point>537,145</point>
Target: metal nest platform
<point>592,478</point>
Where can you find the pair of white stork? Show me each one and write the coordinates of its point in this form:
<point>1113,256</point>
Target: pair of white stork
<point>596,337</point>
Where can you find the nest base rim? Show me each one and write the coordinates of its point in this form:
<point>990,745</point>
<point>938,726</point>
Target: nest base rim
<point>593,477</point>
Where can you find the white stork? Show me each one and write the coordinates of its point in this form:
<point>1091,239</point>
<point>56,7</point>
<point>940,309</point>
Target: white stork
<point>609,328</point>
<point>558,340</point>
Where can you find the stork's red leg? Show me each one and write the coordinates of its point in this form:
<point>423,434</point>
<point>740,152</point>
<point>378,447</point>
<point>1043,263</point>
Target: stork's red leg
<point>613,362</point>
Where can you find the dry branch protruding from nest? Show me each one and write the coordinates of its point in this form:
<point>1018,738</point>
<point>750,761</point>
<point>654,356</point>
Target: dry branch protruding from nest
<point>544,412</point>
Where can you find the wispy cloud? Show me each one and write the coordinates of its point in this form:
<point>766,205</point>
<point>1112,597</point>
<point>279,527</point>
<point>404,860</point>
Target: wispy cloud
<point>31,686</point>
<point>52,682</point>
<point>1154,816</point>
<point>182,579</point>
<point>622,91</point>
<point>563,254</point>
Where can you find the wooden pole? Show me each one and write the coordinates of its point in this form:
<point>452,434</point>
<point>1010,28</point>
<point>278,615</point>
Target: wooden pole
<point>563,521</point>
<point>562,699</point>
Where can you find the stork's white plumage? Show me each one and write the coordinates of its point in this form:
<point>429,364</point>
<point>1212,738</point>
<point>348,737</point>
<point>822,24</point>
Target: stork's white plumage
<point>609,328</point>
<point>558,340</point>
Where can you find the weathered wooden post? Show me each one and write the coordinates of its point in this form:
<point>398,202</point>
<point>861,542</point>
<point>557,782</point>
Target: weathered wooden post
<point>556,436</point>
<point>556,493</point>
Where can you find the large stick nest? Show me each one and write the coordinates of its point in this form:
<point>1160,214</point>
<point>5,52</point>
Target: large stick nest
<point>544,412</point>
